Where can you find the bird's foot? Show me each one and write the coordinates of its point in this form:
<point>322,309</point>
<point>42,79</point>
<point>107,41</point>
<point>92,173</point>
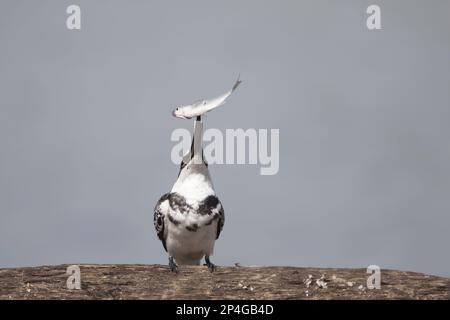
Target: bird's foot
<point>172,265</point>
<point>211,266</point>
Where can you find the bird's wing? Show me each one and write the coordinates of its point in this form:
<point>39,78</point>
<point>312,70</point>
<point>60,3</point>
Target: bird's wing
<point>220,222</point>
<point>159,220</point>
<point>212,207</point>
<point>220,100</point>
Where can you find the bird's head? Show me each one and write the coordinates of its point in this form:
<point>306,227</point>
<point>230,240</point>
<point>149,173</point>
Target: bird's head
<point>194,179</point>
<point>196,164</point>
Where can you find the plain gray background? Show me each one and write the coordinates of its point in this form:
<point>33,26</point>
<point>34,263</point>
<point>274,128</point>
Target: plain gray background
<point>363,115</point>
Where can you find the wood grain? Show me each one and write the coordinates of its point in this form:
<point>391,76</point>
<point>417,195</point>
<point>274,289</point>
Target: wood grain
<point>196,282</point>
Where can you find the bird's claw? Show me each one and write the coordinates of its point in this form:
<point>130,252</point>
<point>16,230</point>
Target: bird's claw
<point>172,265</point>
<point>211,266</point>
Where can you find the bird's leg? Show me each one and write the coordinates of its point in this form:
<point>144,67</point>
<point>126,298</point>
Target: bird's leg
<point>172,265</point>
<point>211,266</point>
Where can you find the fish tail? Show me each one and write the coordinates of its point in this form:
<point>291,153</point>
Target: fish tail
<point>238,82</point>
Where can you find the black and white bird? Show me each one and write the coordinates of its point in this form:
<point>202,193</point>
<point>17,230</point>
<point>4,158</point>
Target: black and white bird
<point>189,219</point>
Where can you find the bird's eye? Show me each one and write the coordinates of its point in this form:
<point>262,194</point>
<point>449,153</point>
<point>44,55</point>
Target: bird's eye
<point>177,109</point>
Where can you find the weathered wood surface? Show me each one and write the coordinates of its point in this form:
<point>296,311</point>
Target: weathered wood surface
<point>196,282</point>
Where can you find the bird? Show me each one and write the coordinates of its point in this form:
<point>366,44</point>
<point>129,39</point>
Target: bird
<point>189,219</point>
<point>200,107</point>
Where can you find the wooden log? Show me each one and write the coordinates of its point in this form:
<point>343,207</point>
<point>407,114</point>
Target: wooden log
<point>196,282</point>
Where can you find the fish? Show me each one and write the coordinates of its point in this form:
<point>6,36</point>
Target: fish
<point>200,107</point>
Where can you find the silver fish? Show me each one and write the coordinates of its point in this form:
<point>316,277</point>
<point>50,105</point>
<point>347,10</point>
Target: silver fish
<point>201,107</point>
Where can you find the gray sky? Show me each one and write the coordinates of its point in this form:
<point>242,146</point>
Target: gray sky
<point>363,115</point>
